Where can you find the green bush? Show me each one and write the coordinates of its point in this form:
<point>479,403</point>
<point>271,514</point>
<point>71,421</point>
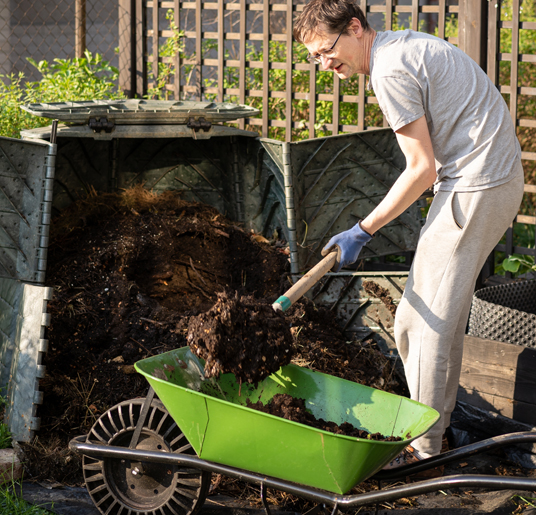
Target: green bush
<point>85,78</point>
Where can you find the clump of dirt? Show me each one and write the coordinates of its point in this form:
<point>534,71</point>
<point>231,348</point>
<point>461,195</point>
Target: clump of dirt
<point>242,335</point>
<point>129,272</point>
<point>293,408</point>
<point>381,293</point>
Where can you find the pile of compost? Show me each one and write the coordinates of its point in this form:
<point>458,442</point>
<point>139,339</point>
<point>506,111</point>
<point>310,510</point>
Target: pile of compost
<point>293,408</point>
<point>134,274</point>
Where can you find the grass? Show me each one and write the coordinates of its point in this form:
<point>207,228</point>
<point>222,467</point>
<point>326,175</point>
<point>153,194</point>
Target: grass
<point>10,501</point>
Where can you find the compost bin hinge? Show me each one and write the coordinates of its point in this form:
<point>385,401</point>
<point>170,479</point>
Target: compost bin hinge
<point>200,123</point>
<point>101,124</point>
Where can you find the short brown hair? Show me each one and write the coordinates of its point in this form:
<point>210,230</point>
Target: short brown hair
<point>334,14</point>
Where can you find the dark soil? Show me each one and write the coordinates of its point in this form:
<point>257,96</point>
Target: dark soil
<point>291,408</point>
<point>242,335</point>
<point>133,275</point>
<point>378,292</point>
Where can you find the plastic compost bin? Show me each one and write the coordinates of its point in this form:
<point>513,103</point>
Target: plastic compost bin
<point>213,415</point>
<point>306,191</point>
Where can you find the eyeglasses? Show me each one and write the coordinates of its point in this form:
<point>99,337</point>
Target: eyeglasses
<point>327,54</point>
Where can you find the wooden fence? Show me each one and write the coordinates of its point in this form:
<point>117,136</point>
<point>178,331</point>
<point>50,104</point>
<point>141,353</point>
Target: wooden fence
<point>225,45</point>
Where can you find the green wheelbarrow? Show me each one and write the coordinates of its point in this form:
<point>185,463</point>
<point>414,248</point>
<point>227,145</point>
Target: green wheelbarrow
<point>155,456</point>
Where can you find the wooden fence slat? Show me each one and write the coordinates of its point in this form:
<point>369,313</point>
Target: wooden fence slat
<point>199,49</point>
<point>336,103</point>
<point>80,25</point>
<point>494,15</point>
<point>155,41</point>
<point>125,19</point>
<point>312,99</point>
<point>140,64</point>
<point>415,14</point>
<point>265,66</point>
<point>388,14</point>
<point>361,104</point>
<point>441,18</point>
<point>221,50</point>
<point>177,59</point>
<point>514,70</point>
<point>288,101</point>
<point>242,58</point>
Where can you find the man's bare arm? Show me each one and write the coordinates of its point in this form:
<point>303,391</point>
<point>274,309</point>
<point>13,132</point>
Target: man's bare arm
<point>419,175</point>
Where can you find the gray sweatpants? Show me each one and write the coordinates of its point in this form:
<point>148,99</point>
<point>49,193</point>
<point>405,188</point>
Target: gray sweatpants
<point>460,232</point>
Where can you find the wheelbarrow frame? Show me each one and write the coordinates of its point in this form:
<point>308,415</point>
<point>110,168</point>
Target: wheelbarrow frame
<point>336,501</point>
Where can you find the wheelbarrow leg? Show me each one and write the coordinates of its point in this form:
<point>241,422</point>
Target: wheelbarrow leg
<point>143,415</point>
<point>265,504</point>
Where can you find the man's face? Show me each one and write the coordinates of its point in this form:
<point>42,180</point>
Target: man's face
<point>346,57</point>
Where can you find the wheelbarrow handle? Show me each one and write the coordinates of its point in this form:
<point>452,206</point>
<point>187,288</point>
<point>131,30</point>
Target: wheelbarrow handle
<point>305,283</point>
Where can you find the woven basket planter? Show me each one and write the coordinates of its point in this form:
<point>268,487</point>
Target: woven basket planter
<point>505,313</point>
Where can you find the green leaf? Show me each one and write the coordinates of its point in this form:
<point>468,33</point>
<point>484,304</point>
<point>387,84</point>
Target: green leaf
<point>511,264</point>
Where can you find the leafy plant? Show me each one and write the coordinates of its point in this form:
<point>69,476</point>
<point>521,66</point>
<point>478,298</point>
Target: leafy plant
<point>85,78</point>
<point>516,263</point>
<point>81,78</point>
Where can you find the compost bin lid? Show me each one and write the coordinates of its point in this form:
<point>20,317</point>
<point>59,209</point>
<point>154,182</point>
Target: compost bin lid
<point>139,112</point>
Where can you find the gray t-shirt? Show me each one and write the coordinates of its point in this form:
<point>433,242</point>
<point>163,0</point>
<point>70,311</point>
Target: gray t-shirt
<point>473,137</point>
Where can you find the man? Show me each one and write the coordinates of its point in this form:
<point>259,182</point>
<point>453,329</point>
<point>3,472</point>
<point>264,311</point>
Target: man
<point>455,131</point>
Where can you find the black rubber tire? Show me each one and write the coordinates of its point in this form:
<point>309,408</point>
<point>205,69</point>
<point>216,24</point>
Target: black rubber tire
<point>125,487</point>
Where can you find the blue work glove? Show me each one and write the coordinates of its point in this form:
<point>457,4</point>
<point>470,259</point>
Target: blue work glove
<point>348,245</point>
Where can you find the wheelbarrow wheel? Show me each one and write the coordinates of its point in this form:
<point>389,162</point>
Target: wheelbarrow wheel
<point>128,487</point>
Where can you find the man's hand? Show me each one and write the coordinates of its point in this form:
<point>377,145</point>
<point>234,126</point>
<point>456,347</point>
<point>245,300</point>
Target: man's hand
<point>348,245</point>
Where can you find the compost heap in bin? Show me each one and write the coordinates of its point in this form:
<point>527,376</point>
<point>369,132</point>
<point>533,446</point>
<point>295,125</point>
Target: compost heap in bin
<point>130,271</point>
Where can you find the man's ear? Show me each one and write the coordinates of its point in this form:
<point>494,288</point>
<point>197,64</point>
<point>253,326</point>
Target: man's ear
<point>356,27</point>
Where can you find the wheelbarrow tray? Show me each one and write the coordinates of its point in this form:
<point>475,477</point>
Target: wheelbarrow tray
<point>213,415</point>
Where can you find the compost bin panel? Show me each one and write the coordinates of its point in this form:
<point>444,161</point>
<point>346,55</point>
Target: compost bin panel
<point>337,181</point>
<point>219,171</point>
<point>83,166</point>
<point>361,314</point>
<point>23,319</point>
<point>26,175</point>
<point>275,212</point>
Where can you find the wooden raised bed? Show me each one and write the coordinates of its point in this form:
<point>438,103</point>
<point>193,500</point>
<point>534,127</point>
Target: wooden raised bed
<point>500,378</point>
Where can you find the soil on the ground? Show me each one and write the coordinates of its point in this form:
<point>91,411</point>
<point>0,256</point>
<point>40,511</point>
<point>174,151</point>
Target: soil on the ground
<point>293,408</point>
<point>133,275</point>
